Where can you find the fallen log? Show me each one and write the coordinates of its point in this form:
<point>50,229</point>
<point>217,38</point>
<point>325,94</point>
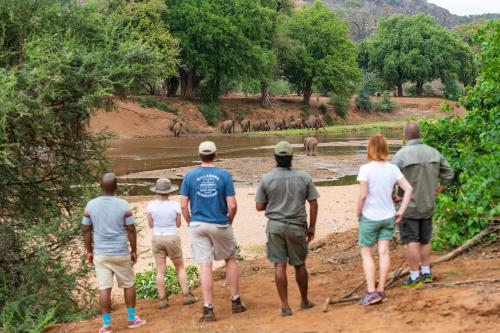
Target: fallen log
<point>401,273</point>
<point>461,283</point>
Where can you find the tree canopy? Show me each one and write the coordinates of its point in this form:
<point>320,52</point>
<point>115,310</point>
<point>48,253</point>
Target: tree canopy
<point>314,49</point>
<point>418,49</point>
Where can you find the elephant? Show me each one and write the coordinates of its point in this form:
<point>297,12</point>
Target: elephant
<point>310,144</point>
<point>176,128</point>
<point>280,125</point>
<point>293,125</point>
<point>261,126</point>
<point>227,127</point>
<point>245,125</point>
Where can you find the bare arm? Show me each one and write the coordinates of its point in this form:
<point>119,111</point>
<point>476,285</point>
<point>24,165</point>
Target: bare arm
<point>405,185</point>
<point>232,207</point>
<point>132,238</point>
<point>260,206</point>
<point>150,220</point>
<point>185,209</point>
<point>313,215</point>
<point>178,221</point>
<point>363,194</point>
<point>87,240</point>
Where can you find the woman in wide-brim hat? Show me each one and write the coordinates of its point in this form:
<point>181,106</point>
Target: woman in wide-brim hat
<point>164,217</point>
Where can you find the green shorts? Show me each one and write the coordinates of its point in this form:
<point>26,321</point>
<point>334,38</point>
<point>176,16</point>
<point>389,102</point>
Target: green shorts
<point>286,242</point>
<point>372,231</point>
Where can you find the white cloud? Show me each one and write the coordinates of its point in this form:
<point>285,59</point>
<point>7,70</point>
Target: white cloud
<point>469,7</point>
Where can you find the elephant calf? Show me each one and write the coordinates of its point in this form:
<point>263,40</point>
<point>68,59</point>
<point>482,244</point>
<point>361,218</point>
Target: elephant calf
<point>310,144</point>
<point>176,128</point>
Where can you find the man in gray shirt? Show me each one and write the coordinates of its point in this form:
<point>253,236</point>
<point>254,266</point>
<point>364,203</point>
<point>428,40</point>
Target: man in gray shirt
<point>428,173</point>
<point>108,226</point>
<point>283,193</point>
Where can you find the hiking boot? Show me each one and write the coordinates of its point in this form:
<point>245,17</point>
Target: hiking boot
<point>208,315</point>
<point>106,329</point>
<point>237,306</point>
<point>163,303</point>
<point>137,322</point>
<point>427,278</point>
<point>370,298</point>
<point>285,312</point>
<point>189,299</point>
<point>409,283</point>
<point>307,305</point>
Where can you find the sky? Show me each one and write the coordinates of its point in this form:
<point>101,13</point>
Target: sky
<point>469,7</point>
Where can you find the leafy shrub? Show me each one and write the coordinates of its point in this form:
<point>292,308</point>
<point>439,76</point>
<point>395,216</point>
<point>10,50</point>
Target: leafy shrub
<point>445,106</point>
<point>471,146</point>
<point>323,109</point>
<point>386,104</point>
<point>428,90</point>
<point>145,283</point>
<point>304,111</point>
<point>363,100</point>
<point>411,90</point>
<point>341,105</point>
<point>239,114</point>
<point>148,102</point>
<point>211,113</point>
<point>452,91</point>
<point>165,107</point>
<point>328,120</point>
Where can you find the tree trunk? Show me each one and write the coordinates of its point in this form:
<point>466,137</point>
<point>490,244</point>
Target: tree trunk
<point>189,84</point>
<point>419,87</point>
<point>264,94</point>
<point>172,86</point>
<point>307,93</point>
<point>400,89</point>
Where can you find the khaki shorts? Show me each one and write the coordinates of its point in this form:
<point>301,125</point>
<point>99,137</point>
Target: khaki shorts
<point>286,242</point>
<point>166,246</point>
<point>107,266</point>
<point>210,241</point>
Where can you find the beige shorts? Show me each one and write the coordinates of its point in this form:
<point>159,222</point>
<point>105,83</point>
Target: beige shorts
<point>107,266</point>
<point>166,246</point>
<point>209,242</point>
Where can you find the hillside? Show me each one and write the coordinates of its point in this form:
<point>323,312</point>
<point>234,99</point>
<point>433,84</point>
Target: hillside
<point>363,14</point>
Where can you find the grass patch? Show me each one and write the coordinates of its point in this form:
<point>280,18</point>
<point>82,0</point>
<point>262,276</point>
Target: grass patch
<point>336,129</point>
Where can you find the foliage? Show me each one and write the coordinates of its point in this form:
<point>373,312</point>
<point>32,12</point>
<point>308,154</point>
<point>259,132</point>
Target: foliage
<point>385,104</point>
<point>314,50</point>
<point>363,100</point>
<point>152,102</point>
<point>145,282</point>
<point>452,90</point>
<point>428,90</point>
<point>329,120</point>
<point>323,108</point>
<point>211,113</point>
<point>418,49</point>
<point>472,147</point>
<point>59,61</point>
<point>411,89</point>
<point>341,105</point>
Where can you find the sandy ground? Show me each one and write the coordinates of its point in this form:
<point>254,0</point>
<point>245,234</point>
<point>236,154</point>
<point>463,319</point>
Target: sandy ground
<point>335,270</point>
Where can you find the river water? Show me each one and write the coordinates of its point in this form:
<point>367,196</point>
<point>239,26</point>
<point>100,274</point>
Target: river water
<point>145,154</point>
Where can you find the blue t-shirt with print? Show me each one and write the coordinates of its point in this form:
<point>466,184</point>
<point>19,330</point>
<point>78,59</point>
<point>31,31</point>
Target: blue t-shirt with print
<point>207,189</point>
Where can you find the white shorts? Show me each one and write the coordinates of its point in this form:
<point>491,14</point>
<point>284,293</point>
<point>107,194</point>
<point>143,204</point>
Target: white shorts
<point>210,241</point>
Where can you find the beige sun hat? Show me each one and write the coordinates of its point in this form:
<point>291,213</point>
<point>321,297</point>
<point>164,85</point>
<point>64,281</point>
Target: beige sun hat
<point>163,186</point>
<point>283,148</point>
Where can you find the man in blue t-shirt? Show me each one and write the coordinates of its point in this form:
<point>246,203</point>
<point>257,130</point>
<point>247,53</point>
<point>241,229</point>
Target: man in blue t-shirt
<point>209,192</point>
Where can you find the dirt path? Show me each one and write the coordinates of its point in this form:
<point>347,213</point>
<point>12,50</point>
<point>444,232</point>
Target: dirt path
<point>334,270</point>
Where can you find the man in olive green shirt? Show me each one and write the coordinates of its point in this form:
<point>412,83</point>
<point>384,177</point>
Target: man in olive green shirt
<point>428,173</point>
<point>283,193</point>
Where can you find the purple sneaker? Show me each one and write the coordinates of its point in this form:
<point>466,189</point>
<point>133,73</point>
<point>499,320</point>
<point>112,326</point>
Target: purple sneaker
<point>370,298</point>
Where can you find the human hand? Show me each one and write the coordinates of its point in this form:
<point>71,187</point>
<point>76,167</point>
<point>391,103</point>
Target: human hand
<point>396,198</point>
<point>90,257</point>
<point>310,234</point>
<point>398,217</point>
<point>133,256</point>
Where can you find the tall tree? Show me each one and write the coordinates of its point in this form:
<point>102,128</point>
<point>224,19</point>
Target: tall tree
<point>418,49</point>
<point>314,49</point>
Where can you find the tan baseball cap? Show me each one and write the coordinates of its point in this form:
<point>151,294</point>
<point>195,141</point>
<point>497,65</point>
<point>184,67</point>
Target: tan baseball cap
<point>283,149</point>
<point>207,148</point>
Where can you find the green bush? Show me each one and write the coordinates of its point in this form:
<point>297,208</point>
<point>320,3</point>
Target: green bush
<point>165,107</point>
<point>386,104</point>
<point>304,111</point>
<point>472,147</point>
<point>145,283</point>
<point>428,90</point>
<point>341,104</point>
<point>411,90</point>
<point>323,109</point>
<point>363,100</point>
<point>148,102</point>
<point>452,91</point>
<point>328,120</point>
<point>211,113</point>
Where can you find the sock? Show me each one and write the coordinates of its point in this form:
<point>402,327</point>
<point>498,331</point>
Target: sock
<point>426,269</point>
<point>414,275</point>
<point>106,319</point>
<point>131,314</point>
<point>210,306</point>
<point>235,297</point>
